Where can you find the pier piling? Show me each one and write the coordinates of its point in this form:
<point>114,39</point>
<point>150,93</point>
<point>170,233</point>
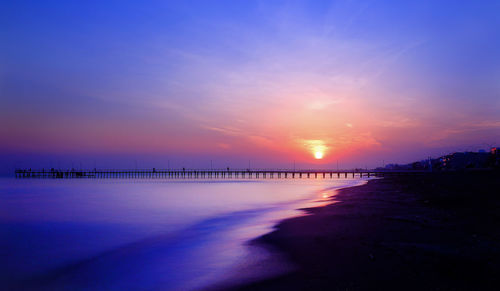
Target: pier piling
<point>199,174</point>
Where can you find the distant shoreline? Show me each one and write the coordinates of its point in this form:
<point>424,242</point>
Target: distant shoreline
<point>438,231</point>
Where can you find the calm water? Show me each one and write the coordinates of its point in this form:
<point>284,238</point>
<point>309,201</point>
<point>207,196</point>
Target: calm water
<point>131,234</point>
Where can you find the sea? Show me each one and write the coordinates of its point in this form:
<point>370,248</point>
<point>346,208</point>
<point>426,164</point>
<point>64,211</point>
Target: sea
<point>112,234</point>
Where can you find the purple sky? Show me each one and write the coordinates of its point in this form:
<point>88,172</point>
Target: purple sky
<point>120,84</point>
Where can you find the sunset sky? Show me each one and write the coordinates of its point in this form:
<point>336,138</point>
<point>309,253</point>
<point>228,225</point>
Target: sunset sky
<point>125,84</point>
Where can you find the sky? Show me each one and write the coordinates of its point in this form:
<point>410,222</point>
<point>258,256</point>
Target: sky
<point>268,84</point>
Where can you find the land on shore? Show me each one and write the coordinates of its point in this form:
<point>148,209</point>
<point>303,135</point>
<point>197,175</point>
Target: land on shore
<point>438,231</point>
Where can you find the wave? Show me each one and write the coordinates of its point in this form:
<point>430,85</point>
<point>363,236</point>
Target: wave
<point>105,270</point>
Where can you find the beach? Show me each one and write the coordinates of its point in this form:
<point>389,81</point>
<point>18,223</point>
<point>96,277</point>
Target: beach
<point>437,231</point>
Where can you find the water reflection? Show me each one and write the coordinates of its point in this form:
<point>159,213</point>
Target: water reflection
<point>138,235</point>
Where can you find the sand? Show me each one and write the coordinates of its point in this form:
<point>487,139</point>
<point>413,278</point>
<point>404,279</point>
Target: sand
<point>432,232</point>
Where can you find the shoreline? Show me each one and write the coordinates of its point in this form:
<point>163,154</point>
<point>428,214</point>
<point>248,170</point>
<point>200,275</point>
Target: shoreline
<point>437,231</point>
<point>229,227</point>
<point>274,263</point>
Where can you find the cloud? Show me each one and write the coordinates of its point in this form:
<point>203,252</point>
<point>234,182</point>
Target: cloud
<point>231,131</point>
<point>322,104</point>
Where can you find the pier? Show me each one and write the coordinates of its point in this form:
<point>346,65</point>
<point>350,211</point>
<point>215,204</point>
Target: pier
<point>205,174</point>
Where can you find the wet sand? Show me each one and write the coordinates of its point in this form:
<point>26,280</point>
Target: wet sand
<point>434,232</point>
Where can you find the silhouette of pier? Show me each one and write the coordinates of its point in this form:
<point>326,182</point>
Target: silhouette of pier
<point>206,174</point>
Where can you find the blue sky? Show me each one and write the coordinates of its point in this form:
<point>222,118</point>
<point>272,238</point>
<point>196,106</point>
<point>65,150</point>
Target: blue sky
<point>269,81</point>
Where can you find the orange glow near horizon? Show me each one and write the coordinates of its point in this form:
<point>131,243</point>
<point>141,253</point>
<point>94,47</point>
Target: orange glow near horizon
<point>316,147</point>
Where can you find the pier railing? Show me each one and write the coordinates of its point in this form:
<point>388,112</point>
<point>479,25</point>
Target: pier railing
<point>205,174</point>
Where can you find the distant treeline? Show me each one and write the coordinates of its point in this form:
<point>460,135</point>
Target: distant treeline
<point>454,161</point>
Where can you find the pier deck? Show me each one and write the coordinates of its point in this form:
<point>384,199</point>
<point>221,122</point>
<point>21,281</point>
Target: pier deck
<point>204,174</point>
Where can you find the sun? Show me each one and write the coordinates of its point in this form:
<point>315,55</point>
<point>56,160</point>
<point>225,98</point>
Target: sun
<point>316,147</point>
